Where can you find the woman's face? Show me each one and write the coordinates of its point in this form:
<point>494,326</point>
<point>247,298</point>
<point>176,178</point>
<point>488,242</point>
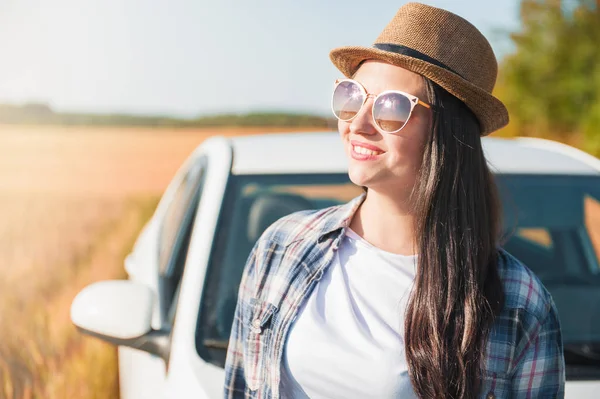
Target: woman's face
<point>398,156</point>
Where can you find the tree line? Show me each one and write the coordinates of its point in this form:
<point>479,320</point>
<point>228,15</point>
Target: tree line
<point>42,114</point>
<point>551,82</point>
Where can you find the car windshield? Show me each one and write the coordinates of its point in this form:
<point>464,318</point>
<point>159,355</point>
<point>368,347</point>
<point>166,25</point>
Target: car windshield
<point>551,223</point>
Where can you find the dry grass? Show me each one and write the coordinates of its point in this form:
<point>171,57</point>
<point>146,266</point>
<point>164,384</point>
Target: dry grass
<point>46,357</point>
<point>82,359</point>
<point>40,232</point>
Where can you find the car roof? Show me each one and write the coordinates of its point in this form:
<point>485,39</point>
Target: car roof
<point>322,152</point>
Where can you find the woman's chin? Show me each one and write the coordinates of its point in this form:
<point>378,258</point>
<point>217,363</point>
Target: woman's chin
<point>376,180</point>
<point>359,177</point>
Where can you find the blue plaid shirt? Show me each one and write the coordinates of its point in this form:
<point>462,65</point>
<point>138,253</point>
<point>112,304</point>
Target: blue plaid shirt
<point>524,352</point>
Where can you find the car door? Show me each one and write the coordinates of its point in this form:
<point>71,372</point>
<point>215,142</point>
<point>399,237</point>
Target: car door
<point>158,261</point>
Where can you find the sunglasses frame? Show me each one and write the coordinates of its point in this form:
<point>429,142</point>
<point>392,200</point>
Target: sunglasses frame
<point>414,101</point>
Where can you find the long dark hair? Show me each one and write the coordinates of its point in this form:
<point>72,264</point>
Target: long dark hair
<point>457,291</point>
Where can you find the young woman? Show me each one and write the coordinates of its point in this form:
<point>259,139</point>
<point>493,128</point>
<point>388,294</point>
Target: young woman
<point>404,292</point>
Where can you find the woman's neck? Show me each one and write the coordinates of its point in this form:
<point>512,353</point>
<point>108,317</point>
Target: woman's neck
<point>386,222</point>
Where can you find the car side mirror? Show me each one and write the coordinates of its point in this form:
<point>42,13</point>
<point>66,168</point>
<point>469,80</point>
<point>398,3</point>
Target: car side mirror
<point>120,312</point>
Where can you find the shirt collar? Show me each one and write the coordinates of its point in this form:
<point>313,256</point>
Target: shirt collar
<point>341,216</point>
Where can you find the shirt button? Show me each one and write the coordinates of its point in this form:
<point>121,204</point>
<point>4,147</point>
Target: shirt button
<point>256,326</point>
<point>490,395</point>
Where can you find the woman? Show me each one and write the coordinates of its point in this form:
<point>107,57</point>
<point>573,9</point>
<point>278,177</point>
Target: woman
<point>403,292</point>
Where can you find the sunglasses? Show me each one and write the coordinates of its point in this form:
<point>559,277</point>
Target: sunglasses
<point>391,109</point>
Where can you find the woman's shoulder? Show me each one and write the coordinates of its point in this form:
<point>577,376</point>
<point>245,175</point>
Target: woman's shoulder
<point>296,226</point>
<point>523,290</point>
<point>306,224</point>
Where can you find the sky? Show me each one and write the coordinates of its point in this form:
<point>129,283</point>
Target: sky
<point>194,57</point>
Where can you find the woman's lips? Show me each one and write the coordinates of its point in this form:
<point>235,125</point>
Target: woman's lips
<point>363,151</point>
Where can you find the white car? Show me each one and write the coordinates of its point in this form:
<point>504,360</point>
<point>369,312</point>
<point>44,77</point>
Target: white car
<point>172,318</point>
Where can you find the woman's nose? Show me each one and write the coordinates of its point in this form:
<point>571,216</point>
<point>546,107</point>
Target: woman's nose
<point>363,121</point>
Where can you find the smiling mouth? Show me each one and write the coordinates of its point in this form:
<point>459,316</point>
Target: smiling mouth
<point>365,151</point>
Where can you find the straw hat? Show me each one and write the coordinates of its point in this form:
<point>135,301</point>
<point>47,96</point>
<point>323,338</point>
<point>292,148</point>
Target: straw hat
<point>443,47</point>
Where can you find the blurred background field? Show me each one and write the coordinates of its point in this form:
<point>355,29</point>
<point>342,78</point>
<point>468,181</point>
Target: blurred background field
<point>76,187</point>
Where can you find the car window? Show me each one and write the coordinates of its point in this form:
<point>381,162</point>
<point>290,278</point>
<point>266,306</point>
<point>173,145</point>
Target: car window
<point>175,233</point>
<point>549,227</point>
<point>550,223</point>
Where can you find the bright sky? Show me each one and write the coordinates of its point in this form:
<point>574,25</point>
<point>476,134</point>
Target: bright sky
<point>192,57</point>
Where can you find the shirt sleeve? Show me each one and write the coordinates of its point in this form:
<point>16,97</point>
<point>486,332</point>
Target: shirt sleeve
<point>540,364</point>
<point>235,382</point>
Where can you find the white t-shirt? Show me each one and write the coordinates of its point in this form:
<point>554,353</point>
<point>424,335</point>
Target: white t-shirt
<point>348,338</point>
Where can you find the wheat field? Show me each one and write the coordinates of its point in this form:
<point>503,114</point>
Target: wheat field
<point>72,202</point>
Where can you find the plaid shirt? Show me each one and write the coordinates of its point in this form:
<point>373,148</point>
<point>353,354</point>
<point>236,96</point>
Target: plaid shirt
<point>524,351</point>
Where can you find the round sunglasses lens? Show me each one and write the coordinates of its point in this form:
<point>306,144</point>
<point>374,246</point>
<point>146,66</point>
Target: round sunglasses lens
<point>347,100</point>
<point>391,111</point>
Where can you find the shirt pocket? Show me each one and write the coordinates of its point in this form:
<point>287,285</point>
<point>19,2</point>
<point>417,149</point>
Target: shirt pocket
<point>496,374</point>
<point>258,324</point>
